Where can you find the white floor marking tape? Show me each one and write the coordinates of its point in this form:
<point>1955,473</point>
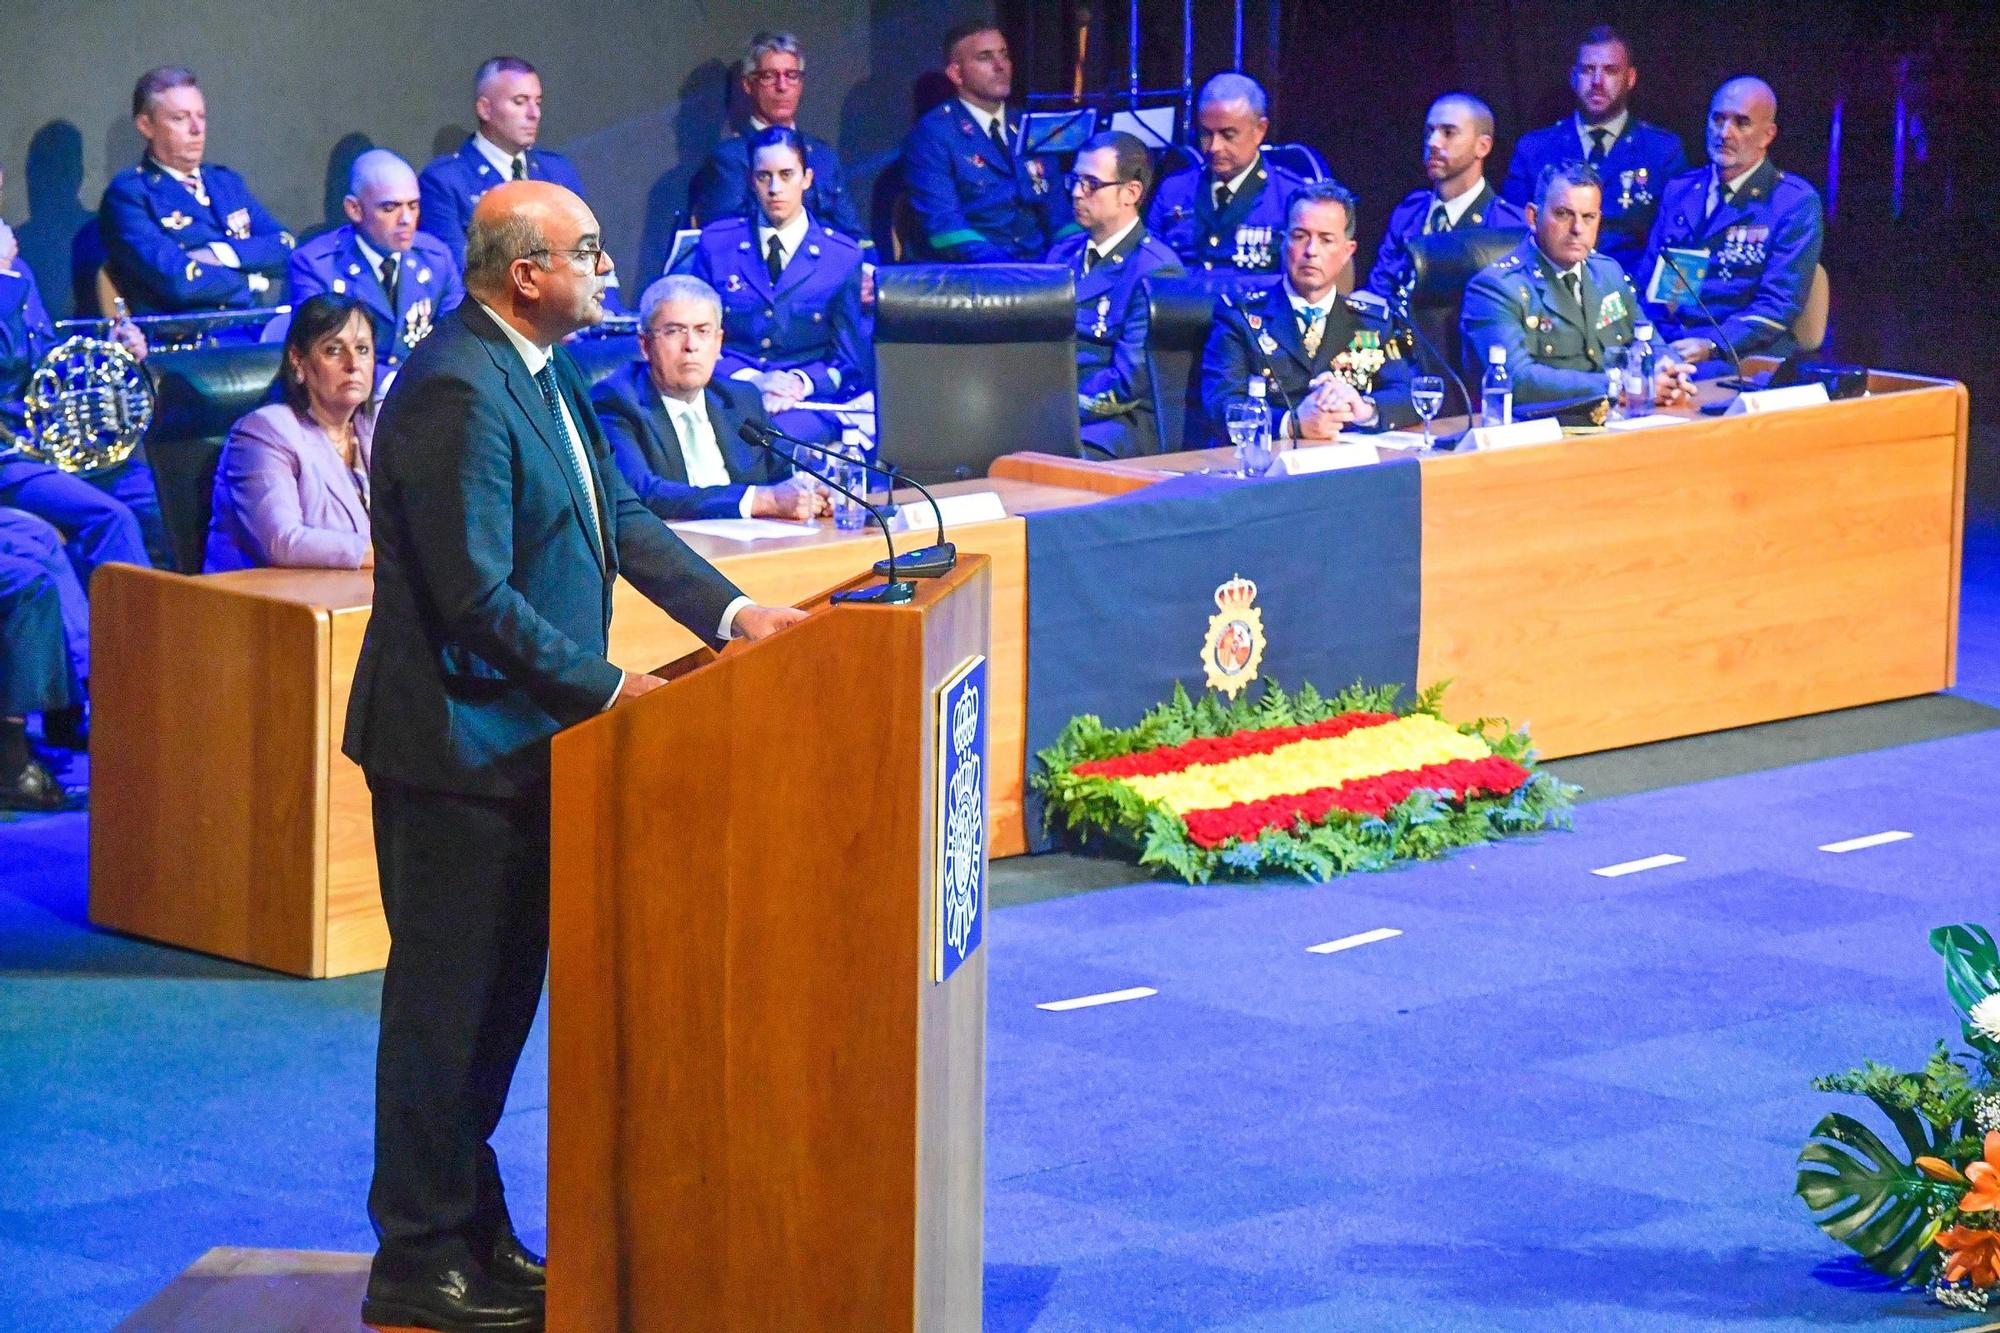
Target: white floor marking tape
<point>1634,867</point>
<point>1872,840</point>
<point>1092,1001</point>
<point>1354,941</point>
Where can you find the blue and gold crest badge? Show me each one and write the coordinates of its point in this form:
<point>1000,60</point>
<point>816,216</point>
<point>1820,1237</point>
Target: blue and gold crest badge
<point>958,876</point>
<point>1234,647</point>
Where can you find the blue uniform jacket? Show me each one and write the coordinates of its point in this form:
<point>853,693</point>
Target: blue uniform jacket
<point>810,320</point>
<point>26,334</point>
<point>1762,247</point>
<point>1635,169</point>
<point>449,186</point>
<point>1392,262</point>
<point>651,455</point>
<point>1259,334</point>
<point>974,201</point>
<point>721,189</point>
<point>150,222</point>
<point>1111,317</point>
<point>1248,236</point>
<point>428,287</point>
<point>1555,351</point>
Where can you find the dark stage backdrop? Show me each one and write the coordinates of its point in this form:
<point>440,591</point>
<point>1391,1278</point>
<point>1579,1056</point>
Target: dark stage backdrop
<point>635,93</point>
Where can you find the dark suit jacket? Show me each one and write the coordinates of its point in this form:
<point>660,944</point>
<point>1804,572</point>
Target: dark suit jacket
<point>492,604</point>
<point>649,451</point>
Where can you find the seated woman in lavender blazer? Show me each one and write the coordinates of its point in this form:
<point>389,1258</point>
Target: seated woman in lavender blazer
<point>291,488</point>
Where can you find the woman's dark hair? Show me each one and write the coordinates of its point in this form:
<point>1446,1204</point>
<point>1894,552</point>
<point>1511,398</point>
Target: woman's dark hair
<point>312,319</point>
<point>776,136</point>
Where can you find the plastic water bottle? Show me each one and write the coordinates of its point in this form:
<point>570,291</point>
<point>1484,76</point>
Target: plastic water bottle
<point>1640,363</point>
<point>1496,397</point>
<point>845,467</point>
<point>1614,392</point>
<point>1250,430</point>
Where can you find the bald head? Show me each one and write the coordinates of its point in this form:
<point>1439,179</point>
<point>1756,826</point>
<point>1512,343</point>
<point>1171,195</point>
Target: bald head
<point>1742,122</point>
<point>534,254</point>
<point>382,200</point>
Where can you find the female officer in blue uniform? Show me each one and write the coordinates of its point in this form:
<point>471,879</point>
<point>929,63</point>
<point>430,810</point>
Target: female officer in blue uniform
<point>791,293</point>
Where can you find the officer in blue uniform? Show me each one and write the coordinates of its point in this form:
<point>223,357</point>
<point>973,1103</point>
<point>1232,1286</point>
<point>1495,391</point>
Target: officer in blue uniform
<point>975,198</point>
<point>1564,312</point>
<point>1228,212</point>
<point>44,654</point>
<point>1633,159</point>
<point>404,278</point>
<point>1110,259</point>
<point>791,294</point>
<point>181,234</point>
<point>773,76</point>
<point>507,102</point>
<point>1761,229</point>
<point>1458,135</point>
<point>1331,362</point>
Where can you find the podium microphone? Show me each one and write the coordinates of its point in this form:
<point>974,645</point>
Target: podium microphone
<point>926,562</point>
<point>895,590</point>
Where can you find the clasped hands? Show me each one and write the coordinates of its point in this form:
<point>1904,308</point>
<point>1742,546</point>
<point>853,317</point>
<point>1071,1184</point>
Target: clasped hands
<point>1331,403</point>
<point>796,498</point>
<point>782,389</point>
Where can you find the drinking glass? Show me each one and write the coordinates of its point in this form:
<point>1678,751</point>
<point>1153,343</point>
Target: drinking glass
<point>1427,396</point>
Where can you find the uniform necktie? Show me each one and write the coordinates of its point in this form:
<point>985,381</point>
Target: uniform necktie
<point>198,190</point>
<point>1718,198</point>
<point>520,166</point>
<point>1223,194</point>
<point>1600,143</point>
<point>1313,319</point>
<point>774,257</point>
<point>1090,258</point>
<point>391,270</point>
<point>999,130</point>
<point>1440,221</point>
<point>545,380</point>
<point>1573,281</point>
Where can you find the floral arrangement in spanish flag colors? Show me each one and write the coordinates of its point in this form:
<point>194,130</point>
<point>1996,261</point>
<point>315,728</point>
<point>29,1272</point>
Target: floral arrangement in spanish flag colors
<point>1297,783</point>
<point>1929,1214</point>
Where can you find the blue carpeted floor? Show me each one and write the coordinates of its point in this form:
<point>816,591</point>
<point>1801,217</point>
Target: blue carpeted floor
<point>1555,1101</point>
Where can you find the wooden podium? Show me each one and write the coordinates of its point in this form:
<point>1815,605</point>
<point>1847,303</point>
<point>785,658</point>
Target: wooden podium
<point>764,1112</point>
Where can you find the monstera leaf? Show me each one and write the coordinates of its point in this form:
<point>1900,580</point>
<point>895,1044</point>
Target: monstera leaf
<point>1865,1196</point>
<point>1971,973</point>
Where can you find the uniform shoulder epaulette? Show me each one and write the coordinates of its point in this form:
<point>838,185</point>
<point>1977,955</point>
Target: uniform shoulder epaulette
<point>1367,305</point>
<point>728,226</point>
<point>1508,262</point>
<point>1159,248</point>
<point>840,240</point>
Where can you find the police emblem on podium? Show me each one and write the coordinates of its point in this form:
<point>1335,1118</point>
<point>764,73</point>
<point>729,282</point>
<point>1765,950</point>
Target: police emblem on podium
<point>958,872</point>
<point>1234,647</point>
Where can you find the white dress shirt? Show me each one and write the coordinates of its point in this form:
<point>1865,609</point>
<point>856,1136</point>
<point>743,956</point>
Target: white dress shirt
<point>498,158</point>
<point>701,452</point>
<point>534,357</point>
<point>985,119</point>
<point>1614,126</point>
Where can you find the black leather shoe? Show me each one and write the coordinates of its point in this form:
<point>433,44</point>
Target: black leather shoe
<point>454,1301</point>
<point>66,728</point>
<point>35,789</point>
<point>515,1265</point>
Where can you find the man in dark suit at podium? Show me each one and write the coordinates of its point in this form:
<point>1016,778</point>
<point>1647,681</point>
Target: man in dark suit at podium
<point>501,526</point>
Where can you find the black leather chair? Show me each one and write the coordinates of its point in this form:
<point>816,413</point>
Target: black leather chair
<point>973,361</point>
<point>1180,311</point>
<point>202,393</point>
<point>1440,266</point>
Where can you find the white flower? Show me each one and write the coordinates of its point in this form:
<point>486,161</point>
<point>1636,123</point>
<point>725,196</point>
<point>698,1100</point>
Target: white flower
<point>1985,1017</point>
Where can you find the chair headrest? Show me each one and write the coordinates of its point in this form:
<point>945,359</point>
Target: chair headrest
<point>600,357</point>
<point>974,303</point>
<point>1442,263</point>
<point>202,391</point>
<point>1180,309</point>
<point>1302,160</point>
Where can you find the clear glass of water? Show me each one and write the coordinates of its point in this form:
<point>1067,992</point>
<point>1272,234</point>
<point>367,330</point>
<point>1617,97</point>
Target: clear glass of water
<point>1253,448</point>
<point>1427,396</point>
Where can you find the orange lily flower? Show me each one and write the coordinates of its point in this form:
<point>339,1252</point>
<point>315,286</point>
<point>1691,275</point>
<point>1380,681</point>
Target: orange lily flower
<point>1984,1196</point>
<point>1939,1169</point>
<point>1971,1254</point>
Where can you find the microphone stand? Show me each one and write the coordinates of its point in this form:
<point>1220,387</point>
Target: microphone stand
<point>895,591</point>
<point>926,562</point>
<point>1694,289</point>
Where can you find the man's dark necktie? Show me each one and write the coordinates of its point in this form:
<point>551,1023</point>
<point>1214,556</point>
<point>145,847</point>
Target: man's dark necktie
<point>1090,258</point>
<point>391,271</point>
<point>774,258</point>
<point>1223,194</point>
<point>1573,282</point>
<point>520,166</point>
<point>1600,144</point>
<point>545,380</point>
<point>999,130</point>
<point>1440,221</point>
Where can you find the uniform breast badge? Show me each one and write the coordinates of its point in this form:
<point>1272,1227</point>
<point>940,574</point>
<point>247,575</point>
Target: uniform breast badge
<point>1234,646</point>
<point>1103,315</point>
<point>1039,174</point>
<point>417,322</point>
<point>978,162</point>
<point>1611,310</point>
<point>423,275</point>
<point>1267,344</point>
<point>239,224</point>
<point>733,283</point>
<point>339,286</point>
<point>1625,189</point>
<point>176,220</point>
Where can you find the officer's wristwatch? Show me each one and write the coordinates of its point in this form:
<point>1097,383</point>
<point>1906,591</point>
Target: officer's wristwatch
<point>1374,413</point>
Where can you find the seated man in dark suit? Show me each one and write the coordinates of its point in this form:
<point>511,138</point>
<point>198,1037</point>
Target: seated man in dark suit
<point>773,74</point>
<point>673,425</point>
<point>44,653</point>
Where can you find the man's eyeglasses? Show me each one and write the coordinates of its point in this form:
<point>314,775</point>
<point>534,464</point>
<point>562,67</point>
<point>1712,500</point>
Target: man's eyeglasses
<point>587,257</point>
<point>771,78</point>
<point>1088,184</point>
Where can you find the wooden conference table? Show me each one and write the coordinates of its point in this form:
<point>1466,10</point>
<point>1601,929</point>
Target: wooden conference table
<point>1608,591</point>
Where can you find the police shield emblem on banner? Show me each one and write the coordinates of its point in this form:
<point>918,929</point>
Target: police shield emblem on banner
<point>1234,648</point>
<point>958,878</point>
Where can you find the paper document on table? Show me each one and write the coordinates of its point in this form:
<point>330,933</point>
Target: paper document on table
<point>742,529</point>
<point>955,510</point>
<point>858,404</point>
<point>1397,439</point>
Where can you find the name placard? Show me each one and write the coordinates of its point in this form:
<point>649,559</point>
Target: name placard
<point>1310,458</point>
<point>973,507</point>
<point>1777,400</point>
<point>958,819</point>
<point>1544,430</point>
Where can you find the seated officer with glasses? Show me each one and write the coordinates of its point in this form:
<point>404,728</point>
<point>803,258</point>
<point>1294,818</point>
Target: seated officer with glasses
<point>1109,260</point>
<point>773,76</point>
